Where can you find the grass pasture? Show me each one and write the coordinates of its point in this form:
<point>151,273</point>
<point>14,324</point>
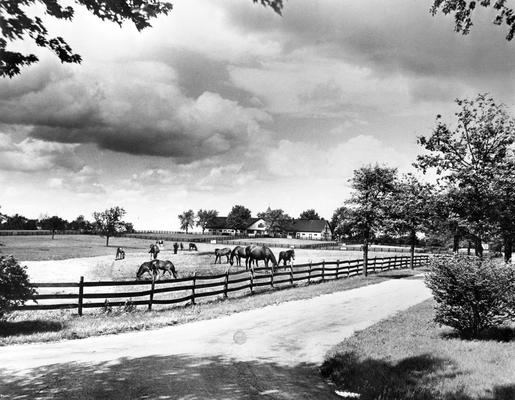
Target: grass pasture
<point>409,357</point>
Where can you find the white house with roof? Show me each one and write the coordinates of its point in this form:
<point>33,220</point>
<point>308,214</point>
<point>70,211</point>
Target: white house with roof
<point>313,229</point>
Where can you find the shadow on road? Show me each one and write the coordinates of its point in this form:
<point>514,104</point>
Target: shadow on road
<point>167,377</point>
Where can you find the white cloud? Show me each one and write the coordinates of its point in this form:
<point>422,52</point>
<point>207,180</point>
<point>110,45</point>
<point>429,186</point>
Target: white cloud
<point>31,155</point>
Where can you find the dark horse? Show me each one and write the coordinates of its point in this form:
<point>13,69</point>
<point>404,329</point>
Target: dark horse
<point>154,251</point>
<point>192,246</point>
<point>219,253</point>
<point>256,253</point>
<point>153,267</point>
<point>287,255</point>
<point>238,252</point>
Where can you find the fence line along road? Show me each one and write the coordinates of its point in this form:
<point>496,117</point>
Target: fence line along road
<point>190,289</point>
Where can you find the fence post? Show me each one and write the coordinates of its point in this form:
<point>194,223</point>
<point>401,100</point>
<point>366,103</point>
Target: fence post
<point>395,262</point>
<point>323,270</point>
<point>309,275</point>
<point>151,299</point>
<point>251,281</point>
<point>193,288</point>
<point>272,277</point>
<point>226,283</point>
<point>81,295</point>
<point>291,273</point>
<point>337,268</point>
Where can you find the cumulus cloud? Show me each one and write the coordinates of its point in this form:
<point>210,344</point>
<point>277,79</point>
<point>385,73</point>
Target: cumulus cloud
<point>31,155</point>
<point>87,180</point>
<point>145,112</point>
<point>302,160</point>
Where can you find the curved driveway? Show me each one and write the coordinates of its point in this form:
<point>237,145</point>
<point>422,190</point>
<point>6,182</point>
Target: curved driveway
<point>267,353</point>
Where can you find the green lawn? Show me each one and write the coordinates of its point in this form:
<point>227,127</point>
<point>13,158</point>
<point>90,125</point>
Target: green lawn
<point>409,357</point>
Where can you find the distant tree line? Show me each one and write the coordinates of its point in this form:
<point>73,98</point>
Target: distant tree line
<point>107,223</point>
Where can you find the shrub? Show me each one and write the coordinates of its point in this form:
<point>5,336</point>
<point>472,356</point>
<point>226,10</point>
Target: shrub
<point>471,294</point>
<point>15,287</point>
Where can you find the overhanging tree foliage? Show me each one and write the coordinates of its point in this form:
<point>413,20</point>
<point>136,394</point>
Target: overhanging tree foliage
<point>463,11</point>
<point>17,24</point>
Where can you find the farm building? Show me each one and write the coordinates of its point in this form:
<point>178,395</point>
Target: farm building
<point>313,229</point>
<point>256,227</point>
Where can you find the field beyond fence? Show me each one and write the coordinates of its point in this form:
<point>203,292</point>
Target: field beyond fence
<point>189,290</point>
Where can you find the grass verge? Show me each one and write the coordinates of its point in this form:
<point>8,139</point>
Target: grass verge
<point>43,326</point>
<point>409,357</point>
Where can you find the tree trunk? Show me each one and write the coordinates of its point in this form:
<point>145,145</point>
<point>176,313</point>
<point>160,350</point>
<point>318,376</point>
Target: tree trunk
<point>508,248</point>
<point>478,247</point>
<point>456,243</point>
<point>469,247</point>
<point>53,234</point>
<point>107,240</point>
<point>365,256</point>
<point>413,239</point>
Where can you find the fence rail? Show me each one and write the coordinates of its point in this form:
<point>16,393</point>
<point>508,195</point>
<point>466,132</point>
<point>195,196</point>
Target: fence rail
<point>187,290</point>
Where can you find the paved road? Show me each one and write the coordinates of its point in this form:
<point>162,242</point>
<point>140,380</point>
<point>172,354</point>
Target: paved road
<point>268,353</point>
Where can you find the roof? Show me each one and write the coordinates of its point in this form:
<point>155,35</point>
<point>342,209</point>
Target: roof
<point>221,223</point>
<point>306,225</point>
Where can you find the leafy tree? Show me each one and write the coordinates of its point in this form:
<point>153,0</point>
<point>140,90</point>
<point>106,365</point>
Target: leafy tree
<point>205,217</point>
<point>469,158</point>
<point>187,219</point>
<point>373,187</point>
<point>462,10</point>
<point>274,219</point>
<point>109,222</point>
<point>53,224</point>
<point>503,206</point>
<point>341,223</point>
<point>15,287</point>
<point>17,24</point>
<point>411,209</point>
<point>309,214</point>
<point>19,222</point>
<point>238,218</point>
<point>81,224</point>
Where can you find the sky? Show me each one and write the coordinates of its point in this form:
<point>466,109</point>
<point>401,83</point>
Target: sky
<point>223,102</point>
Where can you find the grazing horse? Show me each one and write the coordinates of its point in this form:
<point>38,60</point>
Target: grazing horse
<point>153,267</point>
<point>120,254</point>
<point>255,253</point>
<point>238,252</point>
<point>192,246</point>
<point>219,253</point>
<point>287,255</point>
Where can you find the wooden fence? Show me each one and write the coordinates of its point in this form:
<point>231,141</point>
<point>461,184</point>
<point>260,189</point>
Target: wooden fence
<point>85,295</point>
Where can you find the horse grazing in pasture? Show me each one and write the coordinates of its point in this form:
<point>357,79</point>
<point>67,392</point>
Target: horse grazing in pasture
<point>287,255</point>
<point>219,253</point>
<point>239,252</point>
<point>120,254</point>
<point>153,267</point>
<point>192,246</point>
<point>256,253</point>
